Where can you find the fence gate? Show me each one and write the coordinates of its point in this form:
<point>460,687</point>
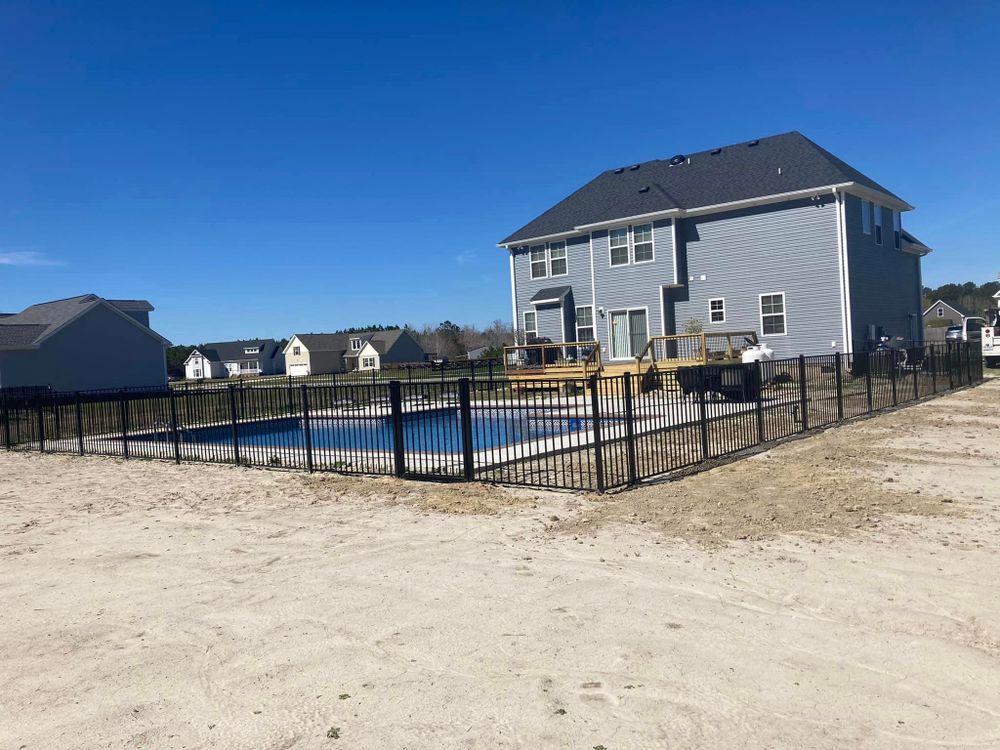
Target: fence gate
<point>432,430</point>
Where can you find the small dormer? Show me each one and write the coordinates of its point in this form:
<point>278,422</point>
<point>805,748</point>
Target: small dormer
<point>251,350</point>
<point>356,344</point>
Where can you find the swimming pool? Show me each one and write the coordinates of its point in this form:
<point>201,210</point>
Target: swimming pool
<point>438,430</point>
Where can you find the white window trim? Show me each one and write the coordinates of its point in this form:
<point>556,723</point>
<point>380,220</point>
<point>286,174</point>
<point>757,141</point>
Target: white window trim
<point>544,261</point>
<point>630,245</point>
<point>897,229</point>
<point>593,322</point>
<point>866,217</point>
<point>717,299</point>
<point>296,351</point>
<point>878,231</point>
<point>548,258</point>
<point>524,324</point>
<point>784,308</point>
<point>356,348</point>
<point>940,311</point>
<point>611,347</point>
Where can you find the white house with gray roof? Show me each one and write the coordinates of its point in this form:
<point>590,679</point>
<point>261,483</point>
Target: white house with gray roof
<point>775,235</point>
<point>226,359</point>
<point>80,344</point>
<point>323,353</point>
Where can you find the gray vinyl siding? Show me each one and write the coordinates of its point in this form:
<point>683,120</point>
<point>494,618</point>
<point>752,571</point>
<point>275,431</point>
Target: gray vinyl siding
<point>786,247</point>
<point>406,349</point>
<point>885,282</point>
<point>99,350</point>
<point>577,277</point>
<point>632,286</point>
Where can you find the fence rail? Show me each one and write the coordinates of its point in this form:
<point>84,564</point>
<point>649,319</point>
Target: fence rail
<point>588,433</point>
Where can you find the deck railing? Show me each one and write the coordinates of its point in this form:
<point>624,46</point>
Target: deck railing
<point>580,358</point>
<point>695,348</point>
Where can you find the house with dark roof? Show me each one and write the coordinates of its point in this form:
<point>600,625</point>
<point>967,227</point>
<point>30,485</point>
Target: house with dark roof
<point>226,359</point>
<point>943,314</point>
<point>322,353</point>
<point>82,343</point>
<point>775,235</point>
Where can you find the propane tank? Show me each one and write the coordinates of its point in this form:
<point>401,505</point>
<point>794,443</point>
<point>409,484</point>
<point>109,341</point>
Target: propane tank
<point>757,353</point>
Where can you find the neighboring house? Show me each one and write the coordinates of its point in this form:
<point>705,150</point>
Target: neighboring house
<point>775,235</point>
<point>225,359</point>
<point>945,314</point>
<point>320,353</point>
<point>80,344</point>
<point>477,353</point>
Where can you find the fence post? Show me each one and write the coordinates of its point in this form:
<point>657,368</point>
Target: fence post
<point>868,381</point>
<point>951,369</point>
<point>233,426</point>
<point>6,422</point>
<point>465,415</point>
<point>491,370</point>
<point>633,469</point>
<point>307,428</point>
<point>595,413</point>
<point>893,376</point>
<point>916,382</point>
<point>933,369</point>
<point>702,412</point>
<point>79,423</point>
<point>803,393</point>
<point>396,409</point>
<point>123,418</point>
<point>174,427</point>
<point>41,425</point>
<point>838,368</point>
<point>759,407</point>
<point>968,362</point>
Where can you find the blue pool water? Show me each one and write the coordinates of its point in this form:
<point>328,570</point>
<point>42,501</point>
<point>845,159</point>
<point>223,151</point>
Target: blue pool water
<point>438,431</point>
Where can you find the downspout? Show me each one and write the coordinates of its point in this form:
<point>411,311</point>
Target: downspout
<point>845,272</point>
<point>513,294</point>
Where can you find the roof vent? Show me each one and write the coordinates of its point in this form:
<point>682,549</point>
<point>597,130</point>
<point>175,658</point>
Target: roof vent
<point>619,170</point>
<point>715,151</point>
<point>679,159</point>
<point>644,189</point>
<point>633,168</point>
<point>753,143</point>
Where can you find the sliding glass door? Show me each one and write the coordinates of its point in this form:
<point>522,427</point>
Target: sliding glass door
<point>629,332</point>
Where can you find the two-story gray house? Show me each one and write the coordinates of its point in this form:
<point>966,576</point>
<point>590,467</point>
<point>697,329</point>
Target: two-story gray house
<point>775,235</point>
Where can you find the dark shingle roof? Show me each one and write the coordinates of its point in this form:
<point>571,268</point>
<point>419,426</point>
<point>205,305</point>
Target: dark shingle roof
<point>551,293</point>
<point>340,342</point>
<point>231,351</point>
<point>732,173</point>
<point>28,326</point>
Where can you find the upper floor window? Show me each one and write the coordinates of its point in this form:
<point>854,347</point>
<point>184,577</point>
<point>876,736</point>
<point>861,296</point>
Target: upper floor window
<point>896,230</point>
<point>585,323</point>
<point>355,345</point>
<point>631,244</point>
<point>251,350</point>
<point>878,224</point>
<point>557,259</point>
<point>296,350</point>
<point>772,314</point>
<point>618,242</point>
<point>866,216</point>
<point>538,264</point>
<point>530,325</point>
<point>642,243</point>
<point>940,312</point>
<point>717,310</point>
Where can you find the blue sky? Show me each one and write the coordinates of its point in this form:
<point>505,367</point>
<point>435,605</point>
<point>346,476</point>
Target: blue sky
<point>256,169</point>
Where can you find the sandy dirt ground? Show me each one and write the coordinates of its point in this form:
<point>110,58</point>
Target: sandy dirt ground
<point>837,591</point>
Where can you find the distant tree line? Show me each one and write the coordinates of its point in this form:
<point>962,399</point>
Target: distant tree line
<point>976,298</point>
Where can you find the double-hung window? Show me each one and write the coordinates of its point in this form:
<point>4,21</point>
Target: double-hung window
<point>878,223</point>
<point>772,314</point>
<point>896,229</point>
<point>355,345</point>
<point>539,264</point>
<point>866,216</point>
<point>530,325</point>
<point>557,259</point>
<point>642,243</point>
<point>585,323</point>
<point>296,350</point>
<point>368,363</point>
<point>717,310</point>
<point>631,244</point>
<point>618,242</point>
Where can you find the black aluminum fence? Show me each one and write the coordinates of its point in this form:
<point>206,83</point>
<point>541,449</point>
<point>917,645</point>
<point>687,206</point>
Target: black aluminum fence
<point>592,434</point>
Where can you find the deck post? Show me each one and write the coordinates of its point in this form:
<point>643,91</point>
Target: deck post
<point>595,418</point>
<point>232,423</point>
<point>702,412</point>
<point>123,419</point>
<point>396,409</point>
<point>174,431</point>
<point>307,428</point>
<point>838,368</point>
<point>633,469</point>
<point>465,415</point>
<point>803,393</point>
<point>79,422</point>
<point>759,381</point>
